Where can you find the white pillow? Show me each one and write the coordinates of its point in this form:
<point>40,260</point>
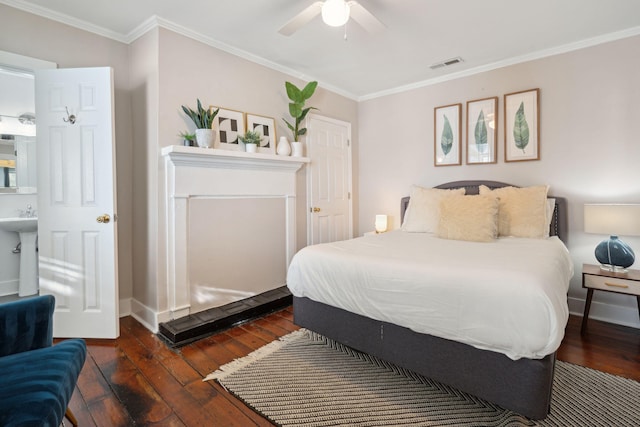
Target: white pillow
<point>423,211</point>
<point>523,211</point>
<point>469,218</point>
<point>551,205</point>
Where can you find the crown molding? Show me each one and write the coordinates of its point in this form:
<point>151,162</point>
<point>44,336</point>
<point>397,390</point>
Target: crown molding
<point>64,19</point>
<point>155,22</point>
<point>594,41</point>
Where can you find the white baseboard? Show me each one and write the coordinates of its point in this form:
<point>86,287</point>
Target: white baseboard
<point>9,287</point>
<point>147,316</point>
<point>626,316</point>
<point>125,307</point>
<point>144,315</point>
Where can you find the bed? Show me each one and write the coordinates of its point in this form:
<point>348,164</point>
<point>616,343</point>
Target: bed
<point>513,369</point>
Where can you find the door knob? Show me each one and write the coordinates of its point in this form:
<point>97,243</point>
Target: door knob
<point>104,219</point>
<point>316,209</point>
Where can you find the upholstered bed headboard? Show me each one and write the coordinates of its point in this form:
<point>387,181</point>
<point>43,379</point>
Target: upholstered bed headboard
<point>558,225</point>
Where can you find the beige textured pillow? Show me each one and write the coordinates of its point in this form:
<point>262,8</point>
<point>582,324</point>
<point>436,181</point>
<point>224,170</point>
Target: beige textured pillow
<point>523,211</point>
<point>424,208</point>
<point>471,218</point>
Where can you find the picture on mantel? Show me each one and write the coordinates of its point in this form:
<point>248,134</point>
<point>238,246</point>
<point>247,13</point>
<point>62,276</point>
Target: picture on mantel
<point>229,124</point>
<point>266,127</point>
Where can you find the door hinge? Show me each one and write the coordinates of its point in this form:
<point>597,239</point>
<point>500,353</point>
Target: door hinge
<point>349,195</point>
<point>348,143</point>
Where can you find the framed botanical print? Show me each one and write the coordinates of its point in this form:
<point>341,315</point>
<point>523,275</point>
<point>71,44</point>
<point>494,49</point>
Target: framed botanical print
<point>522,126</point>
<point>482,125</point>
<point>446,135</point>
<point>265,126</point>
<point>229,124</point>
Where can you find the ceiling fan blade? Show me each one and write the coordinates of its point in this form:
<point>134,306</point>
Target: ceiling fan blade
<point>363,17</point>
<point>301,19</point>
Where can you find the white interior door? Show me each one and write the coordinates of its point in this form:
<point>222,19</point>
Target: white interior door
<point>330,204</point>
<point>76,200</point>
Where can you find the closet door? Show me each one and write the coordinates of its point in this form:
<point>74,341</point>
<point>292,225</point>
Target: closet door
<point>329,187</point>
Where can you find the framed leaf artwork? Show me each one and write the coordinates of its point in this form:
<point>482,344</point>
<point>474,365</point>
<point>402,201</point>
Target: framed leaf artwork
<point>482,126</point>
<point>522,126</point>
<point>446,135</point>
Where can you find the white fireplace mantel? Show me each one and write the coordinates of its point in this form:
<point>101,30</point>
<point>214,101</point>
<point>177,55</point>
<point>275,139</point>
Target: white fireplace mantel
<point>192,172</point>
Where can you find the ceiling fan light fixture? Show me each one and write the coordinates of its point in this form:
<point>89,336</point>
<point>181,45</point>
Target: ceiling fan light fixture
<point>335,13</point>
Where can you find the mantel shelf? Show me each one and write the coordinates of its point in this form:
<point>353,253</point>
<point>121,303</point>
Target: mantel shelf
<point>213,157</point>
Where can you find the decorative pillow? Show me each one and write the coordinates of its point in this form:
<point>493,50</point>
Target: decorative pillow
<point>471,218</point>
<point>551,206</point>
<point>523,211</point>
<point>424,208</point>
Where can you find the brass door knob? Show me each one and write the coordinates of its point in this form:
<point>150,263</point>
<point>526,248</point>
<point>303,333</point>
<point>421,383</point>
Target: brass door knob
<point>104,219</point>
<point>316,209</point>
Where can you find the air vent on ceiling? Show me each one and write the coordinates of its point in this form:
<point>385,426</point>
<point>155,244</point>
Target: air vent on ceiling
<point>446,63</point>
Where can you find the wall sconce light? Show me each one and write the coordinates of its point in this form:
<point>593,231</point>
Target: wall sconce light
<point>614,219</point>
<point>381,223</point>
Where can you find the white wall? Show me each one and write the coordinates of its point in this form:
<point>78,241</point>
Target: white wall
<point>589,110</point>
<point>144,82</point>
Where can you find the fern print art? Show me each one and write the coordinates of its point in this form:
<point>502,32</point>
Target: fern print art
<point>521,129</point>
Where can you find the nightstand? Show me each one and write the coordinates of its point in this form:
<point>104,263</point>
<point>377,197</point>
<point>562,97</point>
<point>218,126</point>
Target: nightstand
<point>370,233</point>
<point>594,278</point>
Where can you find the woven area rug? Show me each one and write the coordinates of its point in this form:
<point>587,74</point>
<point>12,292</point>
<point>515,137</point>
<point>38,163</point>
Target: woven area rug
<point>305,379</point>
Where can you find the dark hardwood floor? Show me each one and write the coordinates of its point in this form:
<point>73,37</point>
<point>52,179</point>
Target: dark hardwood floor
<point>138,380</point>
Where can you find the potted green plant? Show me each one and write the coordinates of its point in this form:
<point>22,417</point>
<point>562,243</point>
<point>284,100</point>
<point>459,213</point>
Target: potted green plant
<point>188,139</point>
<point>251,140</point>
<point>298,111</point>
<point>203,119</point>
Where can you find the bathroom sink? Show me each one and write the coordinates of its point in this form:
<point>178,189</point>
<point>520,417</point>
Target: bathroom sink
<point>19,225</point>
<point>27,228</point>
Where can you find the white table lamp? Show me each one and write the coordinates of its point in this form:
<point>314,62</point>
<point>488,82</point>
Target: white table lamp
<point>381,223</point>
<point>614,219</point>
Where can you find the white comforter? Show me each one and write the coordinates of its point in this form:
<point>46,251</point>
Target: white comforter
<point>509,296</point>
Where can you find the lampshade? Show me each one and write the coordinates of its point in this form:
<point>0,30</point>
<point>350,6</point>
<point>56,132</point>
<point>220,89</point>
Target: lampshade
<point>614,219</point>
<point>381,223</point>
<point>335,13</point>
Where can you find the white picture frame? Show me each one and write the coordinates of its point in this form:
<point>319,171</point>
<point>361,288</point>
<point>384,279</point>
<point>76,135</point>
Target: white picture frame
<point>228,126</point>
<point>265,126</point>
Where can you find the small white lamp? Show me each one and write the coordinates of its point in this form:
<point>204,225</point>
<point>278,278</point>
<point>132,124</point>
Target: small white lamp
<point>381,223</point>
<point>335,13</point>
<point>614,219</point>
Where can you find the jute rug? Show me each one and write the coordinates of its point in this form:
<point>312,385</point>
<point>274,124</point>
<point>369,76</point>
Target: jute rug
<point>305,379</point>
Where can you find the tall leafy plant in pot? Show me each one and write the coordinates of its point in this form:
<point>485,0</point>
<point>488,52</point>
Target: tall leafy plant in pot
<point>297,107</point>
<point>203,119</point>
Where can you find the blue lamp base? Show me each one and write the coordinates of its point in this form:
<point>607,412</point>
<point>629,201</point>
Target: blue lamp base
<point>614,255</point>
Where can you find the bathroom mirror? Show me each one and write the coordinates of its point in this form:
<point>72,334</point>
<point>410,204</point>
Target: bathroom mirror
<point>17,123</point>
<point>18,164</point>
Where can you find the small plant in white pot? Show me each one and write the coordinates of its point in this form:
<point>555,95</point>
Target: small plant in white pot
<point>203,119</point>
<point>251,141</point>
<point>298,111</point>
<point>188,139</point>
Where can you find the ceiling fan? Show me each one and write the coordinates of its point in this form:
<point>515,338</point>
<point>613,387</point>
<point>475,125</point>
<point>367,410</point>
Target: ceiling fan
<point>334,13</point>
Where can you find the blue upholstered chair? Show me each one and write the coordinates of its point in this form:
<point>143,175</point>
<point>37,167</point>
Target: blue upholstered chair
<point>36,378</point>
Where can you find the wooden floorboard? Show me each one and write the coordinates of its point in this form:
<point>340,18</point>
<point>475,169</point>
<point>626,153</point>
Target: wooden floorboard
<point>138,380</point>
